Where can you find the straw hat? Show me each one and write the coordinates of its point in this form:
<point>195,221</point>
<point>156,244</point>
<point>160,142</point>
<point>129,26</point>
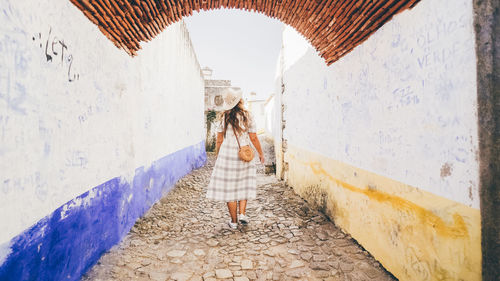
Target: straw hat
<point>228,99</point>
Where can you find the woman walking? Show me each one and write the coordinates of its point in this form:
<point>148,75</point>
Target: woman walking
<point>234,180</point>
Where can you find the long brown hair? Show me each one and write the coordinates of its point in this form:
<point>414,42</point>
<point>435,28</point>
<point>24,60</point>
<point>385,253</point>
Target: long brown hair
<point>230,117</point>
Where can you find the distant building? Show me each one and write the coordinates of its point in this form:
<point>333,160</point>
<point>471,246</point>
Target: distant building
<point>257,107</point>
<point>213,98</point>
<point>213,89</point>
<point>270,115</point>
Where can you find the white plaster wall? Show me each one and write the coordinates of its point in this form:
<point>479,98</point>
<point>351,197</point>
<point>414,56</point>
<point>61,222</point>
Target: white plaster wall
<point>58,138</point>
<point>269,116</point>
<point>277,124</point>
<point>402,104</point>
<point>276,119</point>
<point>258,110</point>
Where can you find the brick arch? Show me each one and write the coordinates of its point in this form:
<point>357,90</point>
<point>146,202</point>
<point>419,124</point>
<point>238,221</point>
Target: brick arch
<point>333,27</point>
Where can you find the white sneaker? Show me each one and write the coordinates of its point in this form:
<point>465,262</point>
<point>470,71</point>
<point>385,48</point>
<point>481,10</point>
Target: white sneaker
<point>232,225</point>
<point>243,218</point>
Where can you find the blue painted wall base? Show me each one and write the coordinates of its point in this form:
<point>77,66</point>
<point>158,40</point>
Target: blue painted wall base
<point>65,244</point>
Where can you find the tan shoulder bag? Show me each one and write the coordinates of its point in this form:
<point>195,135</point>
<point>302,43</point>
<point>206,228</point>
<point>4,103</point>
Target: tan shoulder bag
<point>246,152</point>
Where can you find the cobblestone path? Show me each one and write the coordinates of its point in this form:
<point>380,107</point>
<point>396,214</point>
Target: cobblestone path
<point>185,237</point>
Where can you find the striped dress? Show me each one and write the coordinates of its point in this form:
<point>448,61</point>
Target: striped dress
<point>233,179</point>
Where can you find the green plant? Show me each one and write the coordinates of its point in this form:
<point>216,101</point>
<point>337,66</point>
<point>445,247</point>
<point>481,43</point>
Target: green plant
<point>211,115</point>
<point>210,118</point>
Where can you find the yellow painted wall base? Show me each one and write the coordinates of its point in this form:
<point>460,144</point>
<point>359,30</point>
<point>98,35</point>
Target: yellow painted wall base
<point>415,234</point>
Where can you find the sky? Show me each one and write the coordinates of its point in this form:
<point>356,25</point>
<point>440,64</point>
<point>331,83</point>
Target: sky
<point>238,45</point>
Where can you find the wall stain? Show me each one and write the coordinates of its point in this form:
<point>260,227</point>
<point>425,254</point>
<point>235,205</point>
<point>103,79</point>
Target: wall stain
<point>317,197</point>
<point>446,170</point>
<point>457,229</point>
<point>471,197</point>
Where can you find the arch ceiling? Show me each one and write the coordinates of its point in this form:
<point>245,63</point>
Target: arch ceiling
<point>333,27</point>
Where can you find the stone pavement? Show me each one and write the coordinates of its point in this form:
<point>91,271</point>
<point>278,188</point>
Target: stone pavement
<point>185,237</point>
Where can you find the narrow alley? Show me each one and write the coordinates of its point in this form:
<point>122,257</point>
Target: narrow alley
<point>380,122</point>
<point>185,237</point>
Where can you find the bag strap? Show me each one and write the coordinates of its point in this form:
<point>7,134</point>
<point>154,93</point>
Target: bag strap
<point>236,137</point>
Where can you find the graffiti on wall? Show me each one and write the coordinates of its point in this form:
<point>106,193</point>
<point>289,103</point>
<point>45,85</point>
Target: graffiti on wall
<point>12,92</point>
<point>33,180</point>
<point>56,51</point>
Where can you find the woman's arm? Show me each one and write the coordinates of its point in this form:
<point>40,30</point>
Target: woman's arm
<point>255,141</point>
<point>218,142</point>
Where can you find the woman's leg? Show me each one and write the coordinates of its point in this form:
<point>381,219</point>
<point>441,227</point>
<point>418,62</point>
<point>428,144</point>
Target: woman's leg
<point>243,206</point>
<point>232,210</point>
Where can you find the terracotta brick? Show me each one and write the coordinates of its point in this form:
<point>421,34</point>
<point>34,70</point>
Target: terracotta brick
<point>333,27</point>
